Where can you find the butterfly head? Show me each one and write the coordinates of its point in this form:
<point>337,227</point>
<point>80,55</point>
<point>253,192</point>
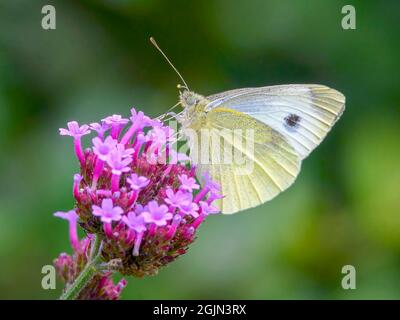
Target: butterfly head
<point>188,98</point>
<point>194,107</point>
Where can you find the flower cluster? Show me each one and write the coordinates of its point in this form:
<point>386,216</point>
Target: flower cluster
<point>137,194</point>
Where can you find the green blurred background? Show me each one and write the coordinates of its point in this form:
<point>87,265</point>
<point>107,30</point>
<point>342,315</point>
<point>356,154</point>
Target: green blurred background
<point>344,207</point>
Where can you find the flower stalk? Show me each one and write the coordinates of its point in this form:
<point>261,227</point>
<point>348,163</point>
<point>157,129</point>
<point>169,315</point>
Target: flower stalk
<point>87,273</point>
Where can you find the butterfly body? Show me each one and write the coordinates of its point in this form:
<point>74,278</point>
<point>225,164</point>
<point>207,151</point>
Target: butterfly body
<point>272,129</point>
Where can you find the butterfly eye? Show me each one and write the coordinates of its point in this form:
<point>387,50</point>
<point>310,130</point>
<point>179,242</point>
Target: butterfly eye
<point>190,100</point>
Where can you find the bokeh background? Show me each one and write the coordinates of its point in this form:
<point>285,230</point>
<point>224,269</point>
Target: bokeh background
<point>344,207</point>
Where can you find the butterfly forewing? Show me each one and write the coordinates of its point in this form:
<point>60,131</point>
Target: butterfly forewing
<point>303,114</point>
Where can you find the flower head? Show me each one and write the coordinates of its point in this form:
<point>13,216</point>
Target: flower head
<point>125,153</point>
<point>103,148</point>
<point>77,178</point>
<point>74,130</point>
<point>188,183</point>
<point>210,184</point>
<point>207,208</point>
<point>70,215</point>
<point>176,199</point>
<point>117,123</point>
<point>214,196</point>
<point>140,117</point>
<point>135,222</point>
<point>107,212</point>
<point>118,163</point>
<point>189,208</point>
<point>72,218</point>
<point>137,182</point>
<point>101,129</point>
<point>156,214</point>
<point>159,135</point>
<point>115,119</point>
<point>146,210</point>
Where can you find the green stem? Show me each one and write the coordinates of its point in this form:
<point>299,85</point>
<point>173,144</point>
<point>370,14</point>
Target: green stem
<point>86,274</point>
<point>94,251</point>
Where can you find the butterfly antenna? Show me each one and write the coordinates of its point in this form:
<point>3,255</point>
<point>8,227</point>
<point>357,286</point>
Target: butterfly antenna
<point>174,106</point>
<point>167,112</point>
<point>169,62</point>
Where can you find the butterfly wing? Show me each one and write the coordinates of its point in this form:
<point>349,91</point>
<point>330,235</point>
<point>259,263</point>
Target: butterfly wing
<point>252,166</point>
<point>303,114</point>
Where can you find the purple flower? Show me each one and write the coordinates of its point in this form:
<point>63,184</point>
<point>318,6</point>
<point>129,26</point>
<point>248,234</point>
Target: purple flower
<point>103,192</point>
<point>135,222</point>
<point>107,290</point>
<point>77,181</point>
<point>190,208</point>
<point>103,148</point>
<point>214,196</point>
<point>145,120</point>
<point>115,119</point>
<point>101,129</point>
<point>155,123</point>
<point>71,215</point>
<point>174,225</point>
<point>74,130</point>
<point>207,209</point>
<point>77,178</point>
<point>107,212</point>
<point>141,138</point>
<point>210,184</point>
<point>188,184</point>
<point>124,152</point>
<point>72,218</point>
<point>157,135</point>
<point>176,199</point>
<point>137,182</point>
<point>117,163</point>
<point>139,209</point>
<point>137,124</point>
<point>156,214</point>
<point>117,123</point>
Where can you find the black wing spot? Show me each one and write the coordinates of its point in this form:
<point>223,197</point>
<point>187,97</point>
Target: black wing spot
<point>292,121</point>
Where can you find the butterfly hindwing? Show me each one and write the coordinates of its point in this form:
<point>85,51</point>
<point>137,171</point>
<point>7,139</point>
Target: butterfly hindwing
<point>261,163</point>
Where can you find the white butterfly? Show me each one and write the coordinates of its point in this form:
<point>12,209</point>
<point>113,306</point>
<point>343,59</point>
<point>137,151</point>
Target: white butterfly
<point>286,123</point>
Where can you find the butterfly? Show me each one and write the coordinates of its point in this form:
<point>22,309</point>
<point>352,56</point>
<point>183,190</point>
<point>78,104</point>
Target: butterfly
<point>286,123</point>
